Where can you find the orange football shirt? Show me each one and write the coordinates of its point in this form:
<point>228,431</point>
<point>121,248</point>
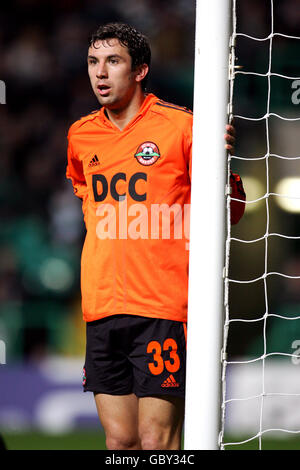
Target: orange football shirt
<point>135,191</point>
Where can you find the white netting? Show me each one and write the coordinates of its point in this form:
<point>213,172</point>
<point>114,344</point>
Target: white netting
<point>262,399</point>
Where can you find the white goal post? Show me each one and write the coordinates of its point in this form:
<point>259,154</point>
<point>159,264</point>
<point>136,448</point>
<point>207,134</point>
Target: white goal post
<point>205,312</point>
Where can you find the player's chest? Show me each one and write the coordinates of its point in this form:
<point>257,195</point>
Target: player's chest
<point>146,163</point>
<point>148,149</point>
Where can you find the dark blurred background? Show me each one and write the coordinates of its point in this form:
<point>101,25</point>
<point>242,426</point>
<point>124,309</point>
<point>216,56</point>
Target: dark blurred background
<point>43,47</point>
<point>274,137</point>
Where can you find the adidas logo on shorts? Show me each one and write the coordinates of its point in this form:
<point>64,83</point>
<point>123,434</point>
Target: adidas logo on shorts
<point>170,382</point>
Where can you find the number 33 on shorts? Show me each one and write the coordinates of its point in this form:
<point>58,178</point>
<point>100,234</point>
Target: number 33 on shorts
<point>158,365</point>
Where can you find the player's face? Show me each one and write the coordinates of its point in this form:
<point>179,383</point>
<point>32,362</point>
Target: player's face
<point>112,78</point>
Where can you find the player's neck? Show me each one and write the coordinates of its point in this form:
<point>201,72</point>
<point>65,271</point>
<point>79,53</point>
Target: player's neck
<point>124,114</point>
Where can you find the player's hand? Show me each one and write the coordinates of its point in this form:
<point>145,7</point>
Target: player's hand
<point>229,138</point>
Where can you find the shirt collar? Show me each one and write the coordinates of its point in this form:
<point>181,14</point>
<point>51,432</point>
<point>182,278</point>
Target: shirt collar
<point>148,101</point>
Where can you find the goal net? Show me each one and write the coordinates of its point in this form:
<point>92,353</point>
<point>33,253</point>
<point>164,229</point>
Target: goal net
<point>261,339</point>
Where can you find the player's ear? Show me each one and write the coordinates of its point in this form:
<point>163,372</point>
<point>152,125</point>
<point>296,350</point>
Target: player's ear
<point>141,72</point>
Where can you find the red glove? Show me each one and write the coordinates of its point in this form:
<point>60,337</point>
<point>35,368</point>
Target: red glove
<point>237,208</point>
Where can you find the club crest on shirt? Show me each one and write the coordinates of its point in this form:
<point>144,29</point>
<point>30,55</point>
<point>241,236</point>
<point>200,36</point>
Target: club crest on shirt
<point>147,153</point>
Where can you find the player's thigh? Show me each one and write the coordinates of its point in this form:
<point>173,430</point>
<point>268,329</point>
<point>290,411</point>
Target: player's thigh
<point>119,417</point>
<point>160,421</point>
<point>117,410</point>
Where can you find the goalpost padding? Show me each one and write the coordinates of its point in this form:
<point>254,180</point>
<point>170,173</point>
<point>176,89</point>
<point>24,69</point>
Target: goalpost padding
<point>207,226</point>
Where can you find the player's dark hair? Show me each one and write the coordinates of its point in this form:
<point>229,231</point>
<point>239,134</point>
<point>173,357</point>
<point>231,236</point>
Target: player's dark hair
<point>136,42</point>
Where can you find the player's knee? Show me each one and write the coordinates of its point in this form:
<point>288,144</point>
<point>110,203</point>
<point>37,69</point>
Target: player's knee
<point>149,441</point>
<point>154,438</point>
<point>121,441</point>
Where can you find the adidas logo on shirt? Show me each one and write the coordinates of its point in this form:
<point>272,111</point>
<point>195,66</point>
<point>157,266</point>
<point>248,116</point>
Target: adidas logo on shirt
<point>94,161</point>
<point>170,382</point>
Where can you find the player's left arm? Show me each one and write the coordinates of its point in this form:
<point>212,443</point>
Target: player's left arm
<point>237,208</point>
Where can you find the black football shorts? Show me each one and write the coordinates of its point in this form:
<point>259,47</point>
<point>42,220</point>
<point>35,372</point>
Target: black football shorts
<point>131,354</point>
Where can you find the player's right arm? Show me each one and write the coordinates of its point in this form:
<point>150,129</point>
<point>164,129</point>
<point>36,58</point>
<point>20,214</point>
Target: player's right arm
<point>75,173</point>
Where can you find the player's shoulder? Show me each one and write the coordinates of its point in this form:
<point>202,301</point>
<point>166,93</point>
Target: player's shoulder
<point>82,121</point>
<point>180,115</point>
<point>172,107</point>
